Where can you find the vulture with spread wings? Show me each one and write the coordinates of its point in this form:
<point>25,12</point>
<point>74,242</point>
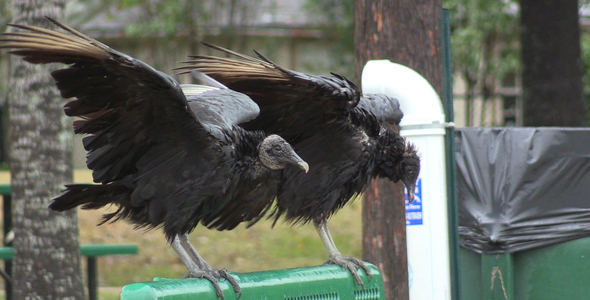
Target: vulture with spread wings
<point>168,155</point>
<point>346,137</point>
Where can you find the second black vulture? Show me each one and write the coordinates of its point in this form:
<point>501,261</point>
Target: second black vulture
<point>167,155</point>
<point>346,137</point>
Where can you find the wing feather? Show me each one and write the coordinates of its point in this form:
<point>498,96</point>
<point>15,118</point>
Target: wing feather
<point>219,110</point>
<point>288,99</point>
<point>126,106</point>
<point>168,155</point>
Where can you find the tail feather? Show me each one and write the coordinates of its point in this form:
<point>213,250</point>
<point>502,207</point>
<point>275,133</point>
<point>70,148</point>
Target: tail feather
<point>90,196</point>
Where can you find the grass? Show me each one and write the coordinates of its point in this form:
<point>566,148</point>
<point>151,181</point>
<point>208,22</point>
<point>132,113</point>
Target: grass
<point>258,248</point>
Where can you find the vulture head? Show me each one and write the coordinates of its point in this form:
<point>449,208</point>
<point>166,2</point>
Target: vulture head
<point>408,169</point>
<point>398,160</point>
<point>275,153</point>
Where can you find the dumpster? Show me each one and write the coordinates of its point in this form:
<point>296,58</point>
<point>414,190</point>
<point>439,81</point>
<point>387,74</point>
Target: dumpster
<point>524,212</point>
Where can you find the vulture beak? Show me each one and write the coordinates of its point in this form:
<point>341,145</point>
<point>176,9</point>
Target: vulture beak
<point>300,162</point>
<point>410,188</point>
<point>303,165</point>
<point>295,159</point>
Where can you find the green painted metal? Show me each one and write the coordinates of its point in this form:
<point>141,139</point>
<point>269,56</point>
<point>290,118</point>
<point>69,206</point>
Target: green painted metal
<point>108,249</point>
<point>5,189</point>
<point>559,271</point>
<point>450,153</point>
<point>470,276</point>
<point>326,282</point>
<point>6,253</point>
<point>92,250</point>
<point>497,276</point>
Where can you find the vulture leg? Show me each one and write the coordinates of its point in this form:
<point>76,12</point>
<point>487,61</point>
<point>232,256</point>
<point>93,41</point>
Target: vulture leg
<point>193,266</point>
<point>206,268</point>
<point>334,256</point>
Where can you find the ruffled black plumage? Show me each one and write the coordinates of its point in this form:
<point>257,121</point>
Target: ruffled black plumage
<point>344,136</point>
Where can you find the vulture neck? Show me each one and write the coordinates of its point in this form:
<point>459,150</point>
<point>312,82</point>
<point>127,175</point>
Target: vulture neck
<point>247,152</point>
<point>391,147</point>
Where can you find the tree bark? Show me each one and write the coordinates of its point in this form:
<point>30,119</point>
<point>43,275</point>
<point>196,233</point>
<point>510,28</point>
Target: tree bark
<point>46,247</point>
<point>406,32</point>
<point>384,235</point>
<point>552,68</point>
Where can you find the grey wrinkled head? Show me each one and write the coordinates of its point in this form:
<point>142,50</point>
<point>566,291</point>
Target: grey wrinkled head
<point>275,153</point>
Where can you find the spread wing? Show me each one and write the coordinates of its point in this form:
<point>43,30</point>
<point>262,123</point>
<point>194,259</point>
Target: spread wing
<point>219,109</point>
<point>137,118</point>
<point>290,102</point>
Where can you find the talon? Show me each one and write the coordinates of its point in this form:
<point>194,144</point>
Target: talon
<point>367,270</point>
<point>352,265</point>
<point>211,278</point>
<point>199,268</point>
<point>223,273</point>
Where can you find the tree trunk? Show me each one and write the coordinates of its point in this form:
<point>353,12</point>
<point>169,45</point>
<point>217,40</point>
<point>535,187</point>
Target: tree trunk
<point>384,235</point>
<point>552,68</point>
<point>46,247</point>
<point>406,32</point>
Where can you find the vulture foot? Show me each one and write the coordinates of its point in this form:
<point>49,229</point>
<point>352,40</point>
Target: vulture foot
<point>214,275</point>
<point>352,264</point>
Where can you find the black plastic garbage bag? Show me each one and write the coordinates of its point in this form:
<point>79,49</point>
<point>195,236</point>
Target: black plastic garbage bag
<point>522,188</point>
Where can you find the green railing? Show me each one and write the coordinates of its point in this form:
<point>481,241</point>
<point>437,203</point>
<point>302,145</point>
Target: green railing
<point>326,282</point>
<point>89,250</point>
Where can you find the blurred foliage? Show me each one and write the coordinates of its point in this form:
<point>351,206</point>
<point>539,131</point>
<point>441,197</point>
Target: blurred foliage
<point>477,25</point>
<point>484,33</point>
<point>585,55</point>
<point>168,18</point>
<point>79,12</point>
<point>5,15</point>
<point>5,18</point>
<point>585,45</point>
<point>485,41</point>
<point>338,32</point>
<point>164,17</point>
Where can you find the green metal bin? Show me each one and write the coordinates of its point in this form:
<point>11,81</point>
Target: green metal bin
<point>554,272</point>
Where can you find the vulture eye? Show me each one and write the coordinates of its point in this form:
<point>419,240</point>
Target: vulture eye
<point>277,147</point>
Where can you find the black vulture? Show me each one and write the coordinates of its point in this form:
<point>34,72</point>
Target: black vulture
<point>347,138</point>
<point>167,155</point>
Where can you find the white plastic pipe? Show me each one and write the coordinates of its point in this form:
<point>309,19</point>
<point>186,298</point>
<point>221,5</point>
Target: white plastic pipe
<point>426,217</point>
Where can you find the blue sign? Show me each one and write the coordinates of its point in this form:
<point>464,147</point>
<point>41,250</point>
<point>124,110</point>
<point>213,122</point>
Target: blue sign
<point>414,209</point>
